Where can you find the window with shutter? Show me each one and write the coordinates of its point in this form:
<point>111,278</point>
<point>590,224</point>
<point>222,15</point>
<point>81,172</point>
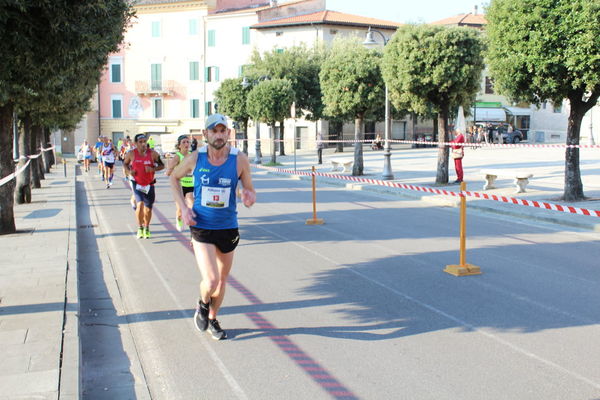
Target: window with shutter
<point>115,73</point>
<point>246,35</point>
<point>195,108</point>
<point>156,76</point>
<point>193,27</point>
<point>155,29</point>
<point>194,70</point>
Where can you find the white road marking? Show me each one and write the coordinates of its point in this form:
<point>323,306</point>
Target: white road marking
<point>235,387</point>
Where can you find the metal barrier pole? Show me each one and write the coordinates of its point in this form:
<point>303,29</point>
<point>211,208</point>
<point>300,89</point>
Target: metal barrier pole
<point>64,166</point>
<point>463,269</point>
<point>314,220</point>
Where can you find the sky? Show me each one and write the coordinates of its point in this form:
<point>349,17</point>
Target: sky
<point>405,11</point>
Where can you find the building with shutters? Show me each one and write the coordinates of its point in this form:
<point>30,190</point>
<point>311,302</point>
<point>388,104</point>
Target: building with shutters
<point>177,52</point>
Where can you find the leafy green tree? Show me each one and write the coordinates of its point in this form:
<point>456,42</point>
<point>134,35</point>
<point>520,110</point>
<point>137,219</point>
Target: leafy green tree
<point>353,88</point>
<point>301,67</point>
<point>52,44</point>
<point>269,102</point>
<point>231,98</point>
<point>432,70</point>
<point>548,49</point>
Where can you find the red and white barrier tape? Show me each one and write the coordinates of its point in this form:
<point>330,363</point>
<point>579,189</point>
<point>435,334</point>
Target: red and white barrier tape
<point>17,172</point>
<point>533,203</point>
<point>512,200</point>
<point>557,145</point>
<point>14,174</point>
<point>366,180</point>
<point>422,142</point>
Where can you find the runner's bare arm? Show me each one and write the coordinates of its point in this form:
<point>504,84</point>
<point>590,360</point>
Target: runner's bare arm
<point>171,165</point>
<point>184,167</point>
<point>127,165</point>
<point>158,163</point>
<point>248,192</point>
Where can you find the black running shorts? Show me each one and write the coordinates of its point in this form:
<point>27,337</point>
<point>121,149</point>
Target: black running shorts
<point>109,164</point>
<point>226,240</point>
<point>187,189</point>
<point>146,198</point>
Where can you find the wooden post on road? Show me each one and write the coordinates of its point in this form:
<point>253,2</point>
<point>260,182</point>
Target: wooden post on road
<point>463,269</point>
<point>314,220</point>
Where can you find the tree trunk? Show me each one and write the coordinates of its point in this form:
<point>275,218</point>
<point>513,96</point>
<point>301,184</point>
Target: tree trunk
<point>23,188</point>
<point>573,186</point>
<point>7,167</point>
<point>245,144</point>
<point>442,167</point>
<point>413,128</point>
<point>39,140</point>
<point>340,144</point>
<point>273,144</point>
<point>51,153</point>
<point>281,136</point>
<point>436,130</point>
<point>359,135</point>
<point>45,154</point>
<point>33,150</point>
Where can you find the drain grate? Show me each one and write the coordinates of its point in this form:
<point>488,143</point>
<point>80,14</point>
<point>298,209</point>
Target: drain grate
<point>87,226</point>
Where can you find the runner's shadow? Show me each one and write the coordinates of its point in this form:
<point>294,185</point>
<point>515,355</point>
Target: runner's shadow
<point>390,330</point>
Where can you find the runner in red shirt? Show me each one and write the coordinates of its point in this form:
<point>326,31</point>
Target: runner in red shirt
<point>141,163</point>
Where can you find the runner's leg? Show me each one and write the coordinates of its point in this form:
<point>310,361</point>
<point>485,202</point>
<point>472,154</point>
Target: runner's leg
<point>147,216</point>
<point>139,213</point>
<point>206,258</point>
<point>224,263</point>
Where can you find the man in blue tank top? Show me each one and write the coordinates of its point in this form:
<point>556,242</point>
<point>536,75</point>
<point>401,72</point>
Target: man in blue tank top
<point>216,168</point>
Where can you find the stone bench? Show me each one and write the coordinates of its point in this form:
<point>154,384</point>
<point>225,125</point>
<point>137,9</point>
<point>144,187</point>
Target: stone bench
<point>345,165</point>
<point>521,178</point>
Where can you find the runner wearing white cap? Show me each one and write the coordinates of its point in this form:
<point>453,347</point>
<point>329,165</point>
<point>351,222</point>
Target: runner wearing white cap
<point>216,168</point>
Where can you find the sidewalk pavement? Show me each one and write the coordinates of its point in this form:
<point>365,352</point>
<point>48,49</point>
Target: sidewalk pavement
<point>418,167</point>
<point>38,295</point>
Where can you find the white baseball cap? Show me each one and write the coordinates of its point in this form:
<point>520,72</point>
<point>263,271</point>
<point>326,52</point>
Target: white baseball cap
<point>214,120</point>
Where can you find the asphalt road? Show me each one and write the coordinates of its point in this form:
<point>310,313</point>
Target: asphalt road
<point>357,308</point>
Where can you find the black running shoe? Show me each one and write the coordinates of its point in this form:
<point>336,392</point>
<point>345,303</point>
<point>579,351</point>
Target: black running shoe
<point>215,330</point>
<point>201,316</point>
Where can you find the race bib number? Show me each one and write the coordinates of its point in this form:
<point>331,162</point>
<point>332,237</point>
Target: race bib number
<point>144,189</point>
<point>215,197</point>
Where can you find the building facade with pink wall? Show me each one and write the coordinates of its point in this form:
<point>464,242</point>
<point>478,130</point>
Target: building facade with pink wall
<point>155,84</point>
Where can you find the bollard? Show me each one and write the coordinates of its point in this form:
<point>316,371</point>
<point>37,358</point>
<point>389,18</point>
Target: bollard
<point>314,220</point>
<point>463,269</point>
<point>64,166</point>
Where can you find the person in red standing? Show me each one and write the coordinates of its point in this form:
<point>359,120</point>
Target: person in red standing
<point>457,154</point>
<point>141,163</point>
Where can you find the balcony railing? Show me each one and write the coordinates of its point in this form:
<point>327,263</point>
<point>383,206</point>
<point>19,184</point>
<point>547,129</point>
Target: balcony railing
<point>152,87</point>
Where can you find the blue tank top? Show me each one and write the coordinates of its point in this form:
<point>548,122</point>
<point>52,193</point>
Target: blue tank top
<point>214,192</point>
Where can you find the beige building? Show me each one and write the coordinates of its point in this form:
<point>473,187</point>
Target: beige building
<point>156,84</point>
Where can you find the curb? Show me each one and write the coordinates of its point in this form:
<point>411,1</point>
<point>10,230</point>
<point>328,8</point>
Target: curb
<point>69,383</point>
<point>532,214</point>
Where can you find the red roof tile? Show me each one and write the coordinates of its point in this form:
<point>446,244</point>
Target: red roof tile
<point>463,19</point>
<point>330,18</point>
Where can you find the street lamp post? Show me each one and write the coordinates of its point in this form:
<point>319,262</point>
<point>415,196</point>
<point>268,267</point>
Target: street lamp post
<point>257,152</point>
<point>387,151</point>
